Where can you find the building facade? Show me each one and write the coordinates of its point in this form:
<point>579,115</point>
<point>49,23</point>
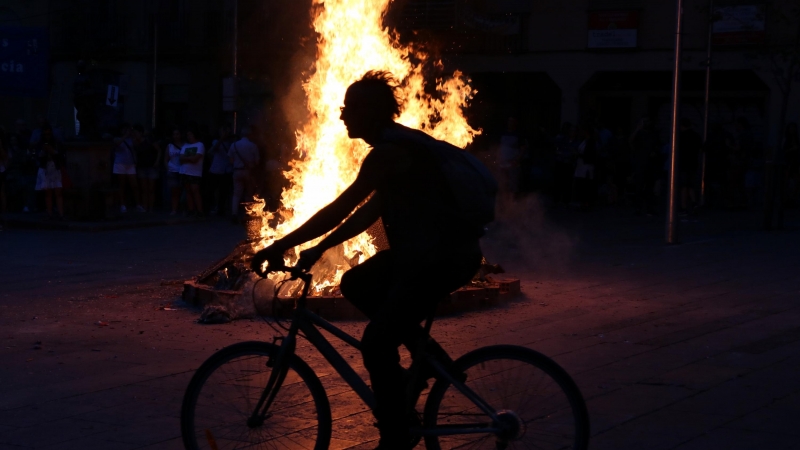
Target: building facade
<point>550,61</point>
<point>546,61</point>
<point>155,62</point>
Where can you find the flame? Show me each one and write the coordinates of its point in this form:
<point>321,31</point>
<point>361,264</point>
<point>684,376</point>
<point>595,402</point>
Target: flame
<point>351,42</point>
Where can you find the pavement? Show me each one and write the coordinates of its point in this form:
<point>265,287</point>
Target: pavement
<point>131,219</point>
<point>691,346</point>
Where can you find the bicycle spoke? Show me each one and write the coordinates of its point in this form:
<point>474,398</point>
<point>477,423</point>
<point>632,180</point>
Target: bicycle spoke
<point>229,395</point>
<point>533,409</point>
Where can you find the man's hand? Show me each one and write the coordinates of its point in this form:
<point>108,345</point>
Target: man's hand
<point>309,257</point>
<point>273,255</point>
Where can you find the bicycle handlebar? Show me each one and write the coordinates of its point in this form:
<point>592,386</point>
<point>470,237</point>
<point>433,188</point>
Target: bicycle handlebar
<point>295,272</point>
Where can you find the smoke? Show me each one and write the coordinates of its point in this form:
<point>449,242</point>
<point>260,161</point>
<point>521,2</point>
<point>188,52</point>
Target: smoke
<point>523,238</point>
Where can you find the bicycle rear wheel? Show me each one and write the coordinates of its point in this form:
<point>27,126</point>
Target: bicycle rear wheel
<point>539,404</point>
<point>224,391</point>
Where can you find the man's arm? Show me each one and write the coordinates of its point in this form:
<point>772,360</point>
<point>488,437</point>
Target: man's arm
<point>330,216</point>
<point>356,224</point>
<point>327,218</point>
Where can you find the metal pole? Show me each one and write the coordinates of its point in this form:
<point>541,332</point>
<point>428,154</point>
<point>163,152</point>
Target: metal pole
<point>672,204</point>
<point>235,59</point>
<point>707,103</point>
<point>155,67</point>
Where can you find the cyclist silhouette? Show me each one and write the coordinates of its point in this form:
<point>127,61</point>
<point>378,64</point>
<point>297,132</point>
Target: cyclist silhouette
<point>432,252</point>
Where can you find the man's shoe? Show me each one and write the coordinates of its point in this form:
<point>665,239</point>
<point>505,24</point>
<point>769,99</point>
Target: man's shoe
<point>396,438</point>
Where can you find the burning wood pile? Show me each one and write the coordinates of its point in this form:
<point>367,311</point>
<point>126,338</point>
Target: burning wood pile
<point>229,290</point>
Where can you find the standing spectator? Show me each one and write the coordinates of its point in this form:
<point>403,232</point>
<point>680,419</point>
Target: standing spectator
<point>221,170</point>
<point>645,166</point>
<point>752,160</point>
<point>125,167</point>
<point>4,164</point>
<point>244,157</point>
<point>512,149</point>
<point>22,133</point>
<point>737,167</point>
<point>172,159</point>
<point>691,146</point>
<point>191,159</point>
<point>566,143</point>
<point>716,165</point>
<point>51,160</point>
<point>38,133</point>
<point>147,157</point>
<point>791,154</point>
<point>585,182</point>
<point>29,170</point>
<point>620,157</point>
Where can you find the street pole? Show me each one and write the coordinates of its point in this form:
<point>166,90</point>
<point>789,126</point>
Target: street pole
<point>235,60</point>
<point>707,103</point>
<point>672,205</point>
<point>155,68</point>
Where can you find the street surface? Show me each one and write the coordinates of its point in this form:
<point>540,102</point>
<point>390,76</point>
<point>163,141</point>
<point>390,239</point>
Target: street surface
<point>694,346</point>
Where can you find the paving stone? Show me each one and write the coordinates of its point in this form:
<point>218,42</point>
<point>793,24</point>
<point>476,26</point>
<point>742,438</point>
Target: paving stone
<point>692,345</point>
<point>738,440</point>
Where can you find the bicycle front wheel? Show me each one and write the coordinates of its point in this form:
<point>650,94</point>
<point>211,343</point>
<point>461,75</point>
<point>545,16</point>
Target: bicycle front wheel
<point>538,404</point>
<point>225,390</point>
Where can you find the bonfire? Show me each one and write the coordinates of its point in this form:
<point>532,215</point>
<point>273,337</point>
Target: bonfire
<point>351,40</point>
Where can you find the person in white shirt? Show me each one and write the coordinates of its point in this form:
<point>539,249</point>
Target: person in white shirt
<point>172,159</point>
<point>191,159</point>
<point>244,157</point>
<point>125,167</point>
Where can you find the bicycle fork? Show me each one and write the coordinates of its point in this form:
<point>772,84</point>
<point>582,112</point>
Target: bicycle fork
<point>280,365</point>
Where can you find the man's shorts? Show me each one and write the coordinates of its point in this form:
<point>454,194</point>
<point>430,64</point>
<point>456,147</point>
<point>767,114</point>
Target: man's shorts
<point>190,179</point>
<point>150,173</point>
<point>124,169</point>
<point>173,180</point>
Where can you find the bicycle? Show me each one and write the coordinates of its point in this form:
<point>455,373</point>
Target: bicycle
<point>262,395</point>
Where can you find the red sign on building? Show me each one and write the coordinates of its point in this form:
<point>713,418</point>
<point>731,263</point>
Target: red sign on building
<point>613,29</point>
<point>738,25</point>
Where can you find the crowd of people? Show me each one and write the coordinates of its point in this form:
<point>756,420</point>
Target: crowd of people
<point>198,174</point>
<point>590,165</point>
<point>194,172</point>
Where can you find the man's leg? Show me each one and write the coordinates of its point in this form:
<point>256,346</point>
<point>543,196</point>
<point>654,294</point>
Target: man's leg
<point>395,309</point>
<point>379,348</point>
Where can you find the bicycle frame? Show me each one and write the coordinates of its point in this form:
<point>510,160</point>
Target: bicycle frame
<point>307,322</point>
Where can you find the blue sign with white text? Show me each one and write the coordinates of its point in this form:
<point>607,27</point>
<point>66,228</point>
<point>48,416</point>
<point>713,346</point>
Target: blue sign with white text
<point>24,55</point>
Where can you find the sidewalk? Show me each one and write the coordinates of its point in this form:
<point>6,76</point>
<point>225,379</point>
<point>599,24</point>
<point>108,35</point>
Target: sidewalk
<point>694,346</point>
<point>131,219</point>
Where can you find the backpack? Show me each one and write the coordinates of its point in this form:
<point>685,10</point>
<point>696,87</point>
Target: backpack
<point>472,185</point>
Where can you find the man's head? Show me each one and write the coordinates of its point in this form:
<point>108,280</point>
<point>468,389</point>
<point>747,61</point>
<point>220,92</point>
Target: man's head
<point>370,105</point>
<point>225,130</point>
<point>191,134</point>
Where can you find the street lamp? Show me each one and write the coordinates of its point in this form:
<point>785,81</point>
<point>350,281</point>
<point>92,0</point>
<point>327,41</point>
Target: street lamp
<point>672,216</point>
